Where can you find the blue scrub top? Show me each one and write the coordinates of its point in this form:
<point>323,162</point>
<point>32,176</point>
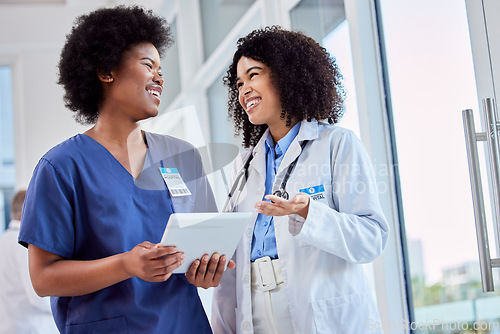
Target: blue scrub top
<point>82,204</point>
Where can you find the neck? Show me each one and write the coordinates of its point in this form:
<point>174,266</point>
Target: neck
<point>280,130</point>
<point>117,131</point>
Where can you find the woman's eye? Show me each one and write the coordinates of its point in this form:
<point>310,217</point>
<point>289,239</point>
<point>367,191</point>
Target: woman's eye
<point>149,65</point>
<point>160,74</point>
<point>238,85</point>
<point>252,75</point>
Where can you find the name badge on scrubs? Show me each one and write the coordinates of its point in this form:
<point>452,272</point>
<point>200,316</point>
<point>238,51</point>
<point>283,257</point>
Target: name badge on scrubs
<point>174,182</point>
<point>316,193</point>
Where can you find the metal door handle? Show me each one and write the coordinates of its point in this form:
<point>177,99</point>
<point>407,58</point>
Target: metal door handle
<point>491,137</point>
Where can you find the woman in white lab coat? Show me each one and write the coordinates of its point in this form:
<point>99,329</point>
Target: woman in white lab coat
<point>299,263</point>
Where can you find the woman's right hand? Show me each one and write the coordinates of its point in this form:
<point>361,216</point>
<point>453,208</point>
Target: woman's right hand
<point>152,262</point>
<point>54,275</point>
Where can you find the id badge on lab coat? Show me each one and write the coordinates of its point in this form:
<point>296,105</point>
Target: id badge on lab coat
<point>174,182</point>
<point>317,193</point>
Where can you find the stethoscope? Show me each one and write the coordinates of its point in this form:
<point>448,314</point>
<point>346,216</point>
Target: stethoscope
<point>242,177</point>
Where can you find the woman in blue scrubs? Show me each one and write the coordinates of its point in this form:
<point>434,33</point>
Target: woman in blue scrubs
<point>97,201</point>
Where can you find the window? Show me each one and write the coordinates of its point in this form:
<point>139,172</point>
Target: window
<point>326,22</point>
<point>431,77</point>
<point>224,146</point>
<point>7,171</point>
<point>218,17</point>
<point>171,70</point>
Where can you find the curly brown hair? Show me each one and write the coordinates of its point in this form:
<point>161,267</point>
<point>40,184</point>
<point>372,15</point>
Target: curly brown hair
<point>306,76</point>
<point>97,42</point>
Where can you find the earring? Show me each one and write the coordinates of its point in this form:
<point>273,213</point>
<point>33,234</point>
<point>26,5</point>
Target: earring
<point>110,79</point>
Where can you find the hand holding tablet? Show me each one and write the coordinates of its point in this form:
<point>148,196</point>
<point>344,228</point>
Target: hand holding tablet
<point>196,234</point>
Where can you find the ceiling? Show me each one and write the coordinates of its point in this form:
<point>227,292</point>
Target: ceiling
<point>31,2</point>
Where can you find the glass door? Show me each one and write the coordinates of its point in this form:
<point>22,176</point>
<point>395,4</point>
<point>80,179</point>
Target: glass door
<point>348,30</point>
<point>431,80</point>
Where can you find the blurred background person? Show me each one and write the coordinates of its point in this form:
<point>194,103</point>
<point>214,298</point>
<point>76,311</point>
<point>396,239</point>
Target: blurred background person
<point>22,311</point>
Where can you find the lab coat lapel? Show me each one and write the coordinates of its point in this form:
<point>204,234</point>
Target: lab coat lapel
<point>308,131</point>
<point>259,159</point>
<point>291,154</point>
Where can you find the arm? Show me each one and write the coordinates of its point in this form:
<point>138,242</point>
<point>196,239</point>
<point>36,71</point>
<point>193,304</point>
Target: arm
<point>49,230</point>
<point>54,275</point>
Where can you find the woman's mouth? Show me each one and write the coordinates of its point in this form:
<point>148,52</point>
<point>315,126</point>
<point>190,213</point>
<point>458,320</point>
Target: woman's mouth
<point>155,93</point>
<point>251,103</point>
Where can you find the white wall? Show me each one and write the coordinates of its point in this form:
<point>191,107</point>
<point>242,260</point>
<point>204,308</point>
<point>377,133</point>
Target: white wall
<point>31,38</point>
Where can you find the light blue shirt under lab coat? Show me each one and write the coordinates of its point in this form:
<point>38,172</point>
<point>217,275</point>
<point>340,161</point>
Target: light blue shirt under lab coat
<point>264,240</point>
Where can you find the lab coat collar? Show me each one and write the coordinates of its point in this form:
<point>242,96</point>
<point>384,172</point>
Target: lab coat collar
<point>308,131</point>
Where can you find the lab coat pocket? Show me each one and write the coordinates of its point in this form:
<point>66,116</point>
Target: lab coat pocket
<point>351,314</point>
<point>320,194</point>
<point>114,325</point>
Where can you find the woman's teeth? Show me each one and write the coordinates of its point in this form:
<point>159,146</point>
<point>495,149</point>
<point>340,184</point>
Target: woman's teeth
<point>154,92</point>
<point>252,102</point>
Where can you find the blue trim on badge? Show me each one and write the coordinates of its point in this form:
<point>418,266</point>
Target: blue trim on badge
<point>169,170</point>
<point>313,190</point>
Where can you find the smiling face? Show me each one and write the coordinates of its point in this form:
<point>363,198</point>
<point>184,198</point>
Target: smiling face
<point>136,84</point>
<point>257,93</point>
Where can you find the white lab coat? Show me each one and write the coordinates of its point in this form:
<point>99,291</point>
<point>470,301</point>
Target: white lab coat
<point>320,258</point>
<point>22,311</point>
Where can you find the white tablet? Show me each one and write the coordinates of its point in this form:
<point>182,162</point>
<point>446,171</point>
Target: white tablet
<point>197,234</point>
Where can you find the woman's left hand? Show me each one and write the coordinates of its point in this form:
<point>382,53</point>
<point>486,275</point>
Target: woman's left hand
<point>207,272</point>
<point>278,206</point>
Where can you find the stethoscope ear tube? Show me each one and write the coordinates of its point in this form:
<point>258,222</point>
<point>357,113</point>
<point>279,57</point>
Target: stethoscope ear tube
<point>242,174</point>
<point>281,192</point>
<point>233,188</point>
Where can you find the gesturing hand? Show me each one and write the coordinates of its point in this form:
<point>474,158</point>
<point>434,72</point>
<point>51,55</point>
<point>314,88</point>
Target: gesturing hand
<point>152,262</point>
<point>278,206</point>
<point>207,273</point>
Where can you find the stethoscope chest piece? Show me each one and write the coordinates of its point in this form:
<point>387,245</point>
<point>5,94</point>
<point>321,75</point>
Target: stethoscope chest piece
<point>281,193</point>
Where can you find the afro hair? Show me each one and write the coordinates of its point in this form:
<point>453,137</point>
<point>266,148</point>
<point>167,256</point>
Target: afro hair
<point>97,43</point>
<point>307,79</point>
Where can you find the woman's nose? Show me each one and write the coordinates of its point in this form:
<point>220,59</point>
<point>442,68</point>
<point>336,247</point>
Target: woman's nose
<point>246,89</point>
<point>159,80</point>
